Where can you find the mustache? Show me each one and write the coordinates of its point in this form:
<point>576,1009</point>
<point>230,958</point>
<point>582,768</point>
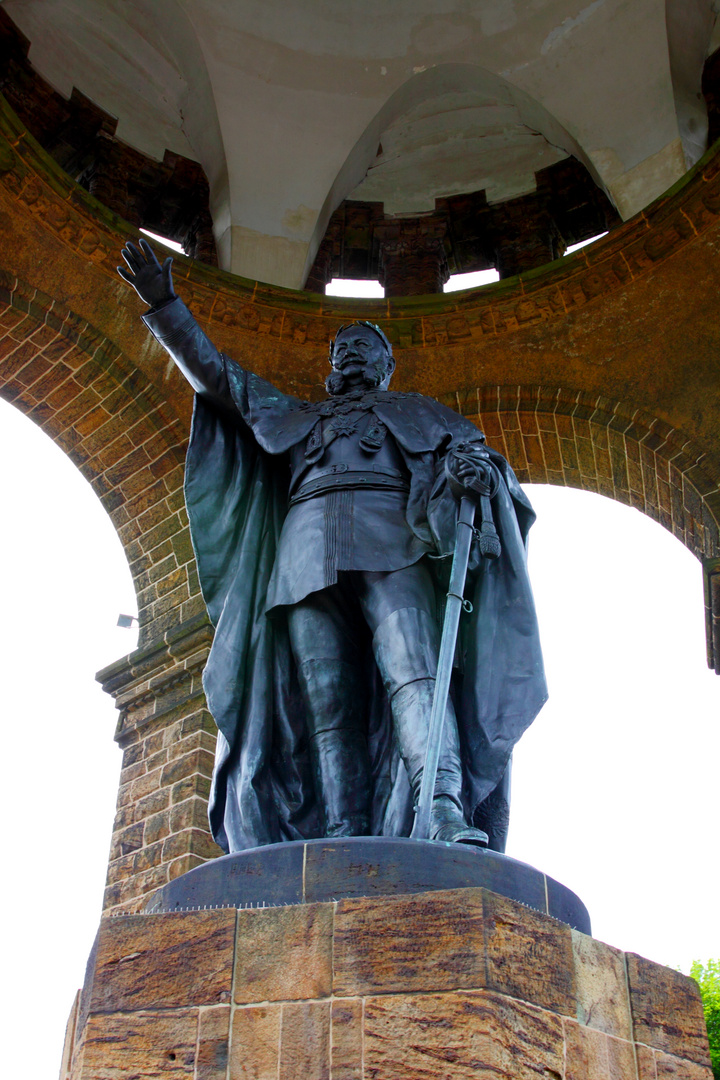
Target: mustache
<point>337,383</point>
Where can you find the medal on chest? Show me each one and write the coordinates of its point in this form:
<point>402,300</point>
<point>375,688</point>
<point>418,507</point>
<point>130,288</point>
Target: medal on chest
<point>342,425</point>
<point>341,417</point>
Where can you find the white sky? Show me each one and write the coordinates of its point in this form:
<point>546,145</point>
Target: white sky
<point>615,785</point>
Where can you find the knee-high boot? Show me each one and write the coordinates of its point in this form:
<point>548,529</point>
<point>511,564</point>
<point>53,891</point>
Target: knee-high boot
<point>406,648</point>
<point>334,704</point>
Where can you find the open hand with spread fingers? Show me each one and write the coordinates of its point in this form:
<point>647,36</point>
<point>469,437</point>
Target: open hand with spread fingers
<point>152,282</point>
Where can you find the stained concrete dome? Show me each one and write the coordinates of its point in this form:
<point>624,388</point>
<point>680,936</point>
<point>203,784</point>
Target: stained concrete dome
<point>292,106</point>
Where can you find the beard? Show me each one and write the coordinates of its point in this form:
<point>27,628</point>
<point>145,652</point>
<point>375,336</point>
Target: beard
<point>373,375</point>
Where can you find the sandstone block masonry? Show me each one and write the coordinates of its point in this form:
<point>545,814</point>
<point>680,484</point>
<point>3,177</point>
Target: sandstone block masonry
<point>167,737</point>
<point>436,986</point>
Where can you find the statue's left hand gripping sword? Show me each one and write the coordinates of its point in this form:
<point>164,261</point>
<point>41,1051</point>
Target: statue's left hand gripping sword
<point>480,482</point>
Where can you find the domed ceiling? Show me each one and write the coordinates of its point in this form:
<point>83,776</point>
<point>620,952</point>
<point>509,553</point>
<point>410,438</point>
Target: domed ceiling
<point>293,106</point>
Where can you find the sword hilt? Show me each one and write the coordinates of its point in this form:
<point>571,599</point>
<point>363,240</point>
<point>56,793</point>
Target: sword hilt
<point>486,478</point>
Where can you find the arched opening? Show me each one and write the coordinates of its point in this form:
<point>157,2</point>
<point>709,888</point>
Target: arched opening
<point>113,424</point>
<point>615,782</point>
<point>65,580</point>
<point>574,439</point>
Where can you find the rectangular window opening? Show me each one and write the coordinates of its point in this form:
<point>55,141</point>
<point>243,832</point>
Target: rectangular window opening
<point>584,243</point>
<point>172,244</point>
<point>355,287</point>
<point>473,280</point>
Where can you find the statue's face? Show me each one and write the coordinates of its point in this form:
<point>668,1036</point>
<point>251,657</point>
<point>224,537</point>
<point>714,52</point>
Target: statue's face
<point>360,356</point>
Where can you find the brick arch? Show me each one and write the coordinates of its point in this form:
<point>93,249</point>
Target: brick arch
<point>111,421</point>
<point>575,439</point>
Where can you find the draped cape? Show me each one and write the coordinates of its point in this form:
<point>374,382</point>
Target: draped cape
<point>236,494</point>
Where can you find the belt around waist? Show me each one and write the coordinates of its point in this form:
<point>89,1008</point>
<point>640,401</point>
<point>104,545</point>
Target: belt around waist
<point>355,481</point>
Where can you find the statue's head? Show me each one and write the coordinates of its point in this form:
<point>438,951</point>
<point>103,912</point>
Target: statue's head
<point>361,358</point>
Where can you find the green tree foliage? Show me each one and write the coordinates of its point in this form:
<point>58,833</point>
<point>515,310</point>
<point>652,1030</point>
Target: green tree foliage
<point>707,976</point>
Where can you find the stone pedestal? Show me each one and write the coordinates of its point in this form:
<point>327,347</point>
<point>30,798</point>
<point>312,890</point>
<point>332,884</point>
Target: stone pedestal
<point>313,871</point>
<point>449,984</point>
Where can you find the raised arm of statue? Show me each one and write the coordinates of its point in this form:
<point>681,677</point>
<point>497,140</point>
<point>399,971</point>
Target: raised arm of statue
<point>173,325</point>
<point>152,282</point>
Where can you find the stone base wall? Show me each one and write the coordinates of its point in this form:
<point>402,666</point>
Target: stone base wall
<point>451,985</point>
<point>168,738</point>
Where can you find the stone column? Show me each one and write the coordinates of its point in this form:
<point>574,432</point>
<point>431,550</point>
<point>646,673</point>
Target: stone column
<point>412,256</point>
<point>524,236</point>
<point>200,241</point>
<point>168,740</point>
<point>321,271</point>
<point>108,178</point>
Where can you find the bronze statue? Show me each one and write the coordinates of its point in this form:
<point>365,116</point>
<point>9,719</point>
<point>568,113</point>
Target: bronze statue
<point>325,582</point>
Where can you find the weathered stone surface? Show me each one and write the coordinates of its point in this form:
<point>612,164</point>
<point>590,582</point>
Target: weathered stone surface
<point>669,1067</point>
<point>255,1048</point>
<point>146,962</point>
<point>655,1065</point>
<point>212,1045</point>
<point>528,955</point>
<point>69,1041</point>
<point>601,986</point>
<point>429,941</point>
<point>590,1053</point>
<point>645,1063</point>
<point>157,997</point>
<point>151,1045</point>
<point>346,1019</point>
<point>305,1041</point>
<point>161,820</point>
<point>460,1036</point>
<point>666,1010</point>
<point>284,953</point>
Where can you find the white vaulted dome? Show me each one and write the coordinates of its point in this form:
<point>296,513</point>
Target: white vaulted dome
<point>291,107</point>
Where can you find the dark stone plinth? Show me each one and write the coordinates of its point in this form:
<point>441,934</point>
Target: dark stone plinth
<point>321,870</point>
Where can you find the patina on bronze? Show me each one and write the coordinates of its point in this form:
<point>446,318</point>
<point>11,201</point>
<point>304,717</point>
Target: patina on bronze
<point>326,581</point>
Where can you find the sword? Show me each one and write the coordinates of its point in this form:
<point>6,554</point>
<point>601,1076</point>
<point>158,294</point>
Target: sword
<point>478,490</point>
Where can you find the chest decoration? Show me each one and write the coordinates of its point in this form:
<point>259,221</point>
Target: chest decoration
<point>353,401</point>
<point>314,448</point>
<point>334,416</point>
<point>341,425</point>
<point>374,435</point>
<point>326,431</point>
